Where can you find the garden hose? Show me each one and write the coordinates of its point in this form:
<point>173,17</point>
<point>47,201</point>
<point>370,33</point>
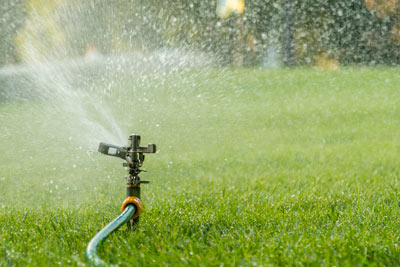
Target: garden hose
<point>130,210</point>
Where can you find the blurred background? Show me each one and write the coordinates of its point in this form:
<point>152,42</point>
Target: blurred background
<point>268,33</point>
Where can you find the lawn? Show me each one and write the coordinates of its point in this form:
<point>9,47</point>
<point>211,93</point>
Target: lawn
<point>256,167</point>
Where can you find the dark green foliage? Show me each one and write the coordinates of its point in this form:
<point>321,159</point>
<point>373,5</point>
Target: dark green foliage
<point>345,30</point>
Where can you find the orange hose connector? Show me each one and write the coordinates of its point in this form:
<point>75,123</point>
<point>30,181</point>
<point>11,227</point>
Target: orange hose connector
<point>135,201</point>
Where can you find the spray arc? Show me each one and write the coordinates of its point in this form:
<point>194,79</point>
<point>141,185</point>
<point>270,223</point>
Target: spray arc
<point>131,208</point>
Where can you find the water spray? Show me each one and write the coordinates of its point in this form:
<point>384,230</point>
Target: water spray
<point>131,208</point>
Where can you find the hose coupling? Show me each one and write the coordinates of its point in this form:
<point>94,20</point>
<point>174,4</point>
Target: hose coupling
<point>135,201</point>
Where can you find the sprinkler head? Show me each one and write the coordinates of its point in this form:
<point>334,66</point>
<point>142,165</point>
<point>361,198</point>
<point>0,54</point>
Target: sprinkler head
<point>128,151</point>
<point>133,154</point>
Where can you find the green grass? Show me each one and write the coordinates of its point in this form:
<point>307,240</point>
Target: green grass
<point>256,167</point>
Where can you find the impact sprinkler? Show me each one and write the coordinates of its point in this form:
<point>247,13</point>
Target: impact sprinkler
<point>132,205</point>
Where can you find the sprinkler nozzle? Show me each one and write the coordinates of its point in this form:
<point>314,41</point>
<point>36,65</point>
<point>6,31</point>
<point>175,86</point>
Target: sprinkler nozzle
<point>133,154</point>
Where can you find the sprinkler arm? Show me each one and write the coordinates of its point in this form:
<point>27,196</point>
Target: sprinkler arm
<point>113,150</point>
<point>125,152</point>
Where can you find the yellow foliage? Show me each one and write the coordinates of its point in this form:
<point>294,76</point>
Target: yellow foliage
<point>382,7</point>
<point>324,62</point>
<point>226,7</point>
<point>41,37</point>
<point>396,33</point>
<point>370,4</point>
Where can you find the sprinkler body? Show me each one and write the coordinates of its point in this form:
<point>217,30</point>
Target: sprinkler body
<point>134,156</point>
<point>132,206</point>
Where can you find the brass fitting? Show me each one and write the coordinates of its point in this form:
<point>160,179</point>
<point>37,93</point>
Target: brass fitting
<point>135,201</point>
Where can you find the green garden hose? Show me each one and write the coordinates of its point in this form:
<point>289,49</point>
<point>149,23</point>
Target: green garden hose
<point>101,236</point>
